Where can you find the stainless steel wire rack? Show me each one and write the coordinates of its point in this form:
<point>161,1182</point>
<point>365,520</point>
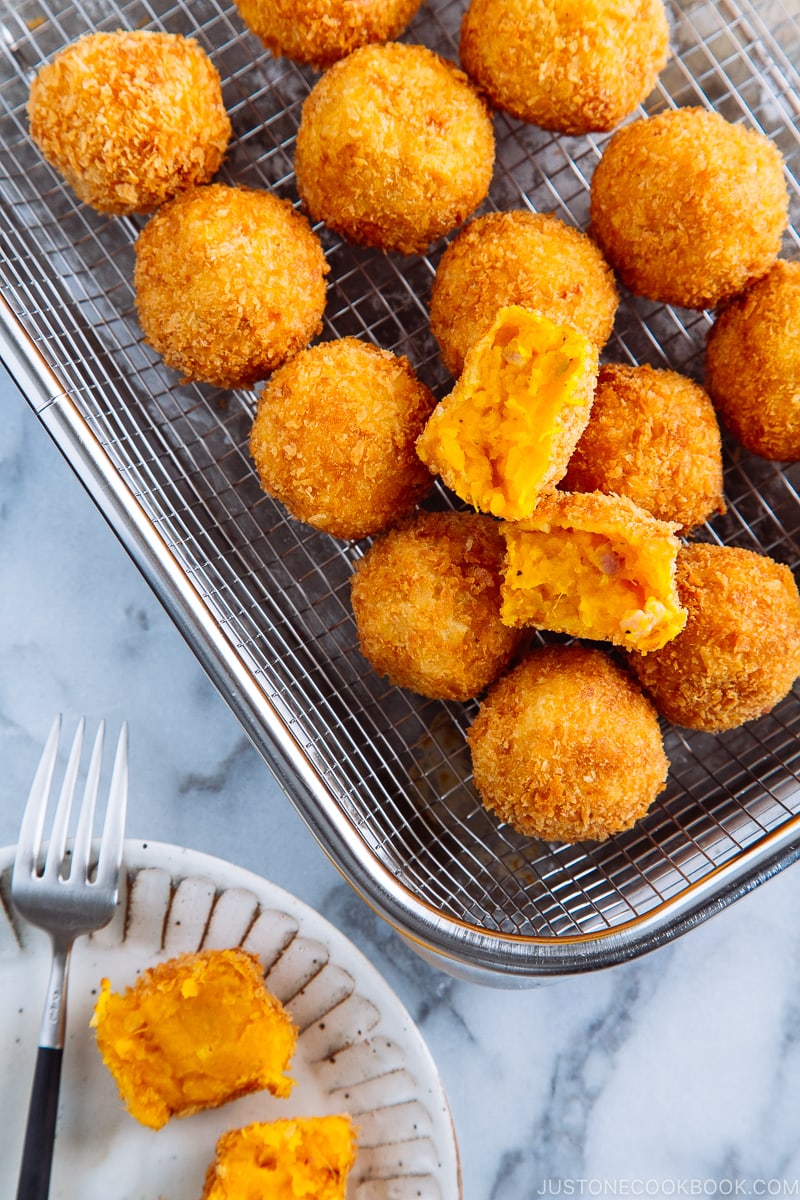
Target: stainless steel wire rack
<point>381,776</point>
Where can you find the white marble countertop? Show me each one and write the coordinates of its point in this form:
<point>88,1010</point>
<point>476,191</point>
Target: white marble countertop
<point>676,1074</point>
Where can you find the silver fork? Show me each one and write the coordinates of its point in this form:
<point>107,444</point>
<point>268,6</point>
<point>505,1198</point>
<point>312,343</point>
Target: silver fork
<point>67,898</point>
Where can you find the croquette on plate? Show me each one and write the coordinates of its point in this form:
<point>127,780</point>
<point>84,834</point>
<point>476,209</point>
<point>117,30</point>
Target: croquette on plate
<point>320,32</point>
<point>334,435</point>
<point>652,436</point>
<point>505,433</point>
<point>565,747</point>
<point>292,1158</point>
<point>426,600</point>
<point>395,148</point>
<point>689,208</point>
<point>573,68</point>
<point>192,1033</point>
<point>519,257</point>
<point>739,653</point>
<point>229,282</point>
<point>753,364</point>
<point>130,118</point>
<point>593,566</point>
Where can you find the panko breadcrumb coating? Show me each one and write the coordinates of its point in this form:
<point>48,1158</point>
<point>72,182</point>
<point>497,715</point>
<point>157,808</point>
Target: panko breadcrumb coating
<point>518,257</point>
<point>565,747</point>
<point>505,433</point>
<point>426,599</point>
<point>572,67</point>
<point>689,208</point>
<point>320,32</point>
<point>594,566</point>
<point>293,1158</point>
<point>333,437</point>
<point>130,118</point>
<point>193,1033</point>
<point>652,436</point>
<point>395,148</point>
<point>740,651</point>
<point>753,364</point>
<point>229,283</point>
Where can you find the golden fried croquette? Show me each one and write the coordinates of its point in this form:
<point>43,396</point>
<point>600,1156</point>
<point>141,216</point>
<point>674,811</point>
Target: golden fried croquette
<point>320,32</point>
<point>395,148</point>
<point>193,1033</point>
<point>740,651</point>
<point>292,1158</point>
<point>565,747</point>
<point>688,208</point>
<point>130,118</point>
<point>753,364</point>
<point>426,599</point>
<point>594,566</point>
<point>519,257</point>
<point>229,283</point>
<point>505,433</point>
<point>333,438</point>
<point>572,67</point>
<point>652,436</point>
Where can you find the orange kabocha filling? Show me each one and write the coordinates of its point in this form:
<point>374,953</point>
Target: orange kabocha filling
<point>507,430</point>
<point>593,566</point>
<point>293,1159</point>
<point>193,1033</point>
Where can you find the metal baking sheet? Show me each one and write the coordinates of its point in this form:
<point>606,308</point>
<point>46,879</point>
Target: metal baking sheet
<point>381,776</point>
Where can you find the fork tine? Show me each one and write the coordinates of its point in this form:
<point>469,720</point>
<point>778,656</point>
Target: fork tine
<point>82,844</point>
<point>58,835</point>
<point>111,844</point>
<point>30,834</point>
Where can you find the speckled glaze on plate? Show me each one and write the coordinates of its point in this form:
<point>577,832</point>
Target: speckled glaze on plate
<point>358,1050</point>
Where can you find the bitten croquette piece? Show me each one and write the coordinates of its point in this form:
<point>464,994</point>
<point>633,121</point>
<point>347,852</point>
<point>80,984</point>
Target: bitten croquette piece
<point>593,566</point>
<point>229,283</point>
<point>130,119</point>
<point>688,208</point>
<point>519,257</point>
<point>565,747</point>
<point>652,436</point>
<point>300,1158</point>
<point>572,67</point>
<point>320,32</point>
<point>193,1033</point>
<point>740,651</point>
<point>505,433</point>
<point>395,148</point>
<point>753,364</point>
<point>426,599</point>
<point>333,438</point>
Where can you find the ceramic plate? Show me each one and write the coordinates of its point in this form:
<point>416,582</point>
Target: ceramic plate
<point>358,1050</point>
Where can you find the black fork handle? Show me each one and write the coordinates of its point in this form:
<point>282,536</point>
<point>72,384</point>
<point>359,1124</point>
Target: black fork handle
<point>37,1154</point>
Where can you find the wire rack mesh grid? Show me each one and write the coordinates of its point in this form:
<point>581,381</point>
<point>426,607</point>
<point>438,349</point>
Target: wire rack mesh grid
<point>389,767</point>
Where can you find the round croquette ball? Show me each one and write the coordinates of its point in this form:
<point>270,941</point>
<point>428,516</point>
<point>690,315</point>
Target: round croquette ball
<point>320,32</point>
<point>739,652</point>
<point>333,438</point>
<point>518,257</point>
<point>753,364</point>
<point>568,67</point>
<point>426,599</point>
<point>652,436</point>
<point>130,119</point>
<point>395,148</point>
<point>565,747</point>
<point>689,208</point>
<point>229,283</point>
